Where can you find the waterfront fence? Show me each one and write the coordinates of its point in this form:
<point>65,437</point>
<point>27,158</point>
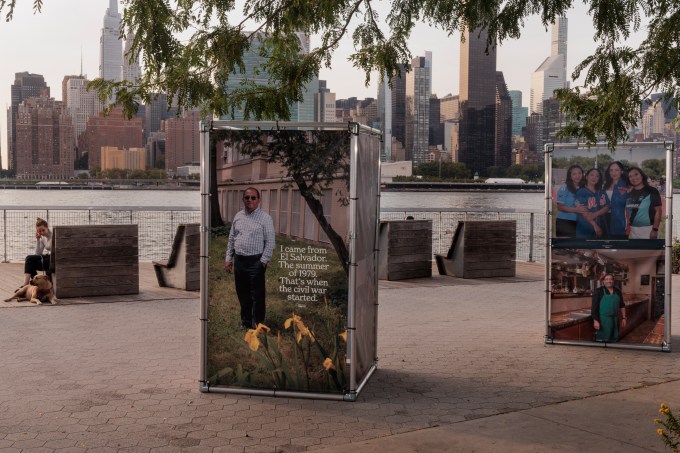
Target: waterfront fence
<point>157,226</point>
<point>530,227</point>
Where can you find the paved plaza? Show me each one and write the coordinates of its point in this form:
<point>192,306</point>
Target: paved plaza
<point>463,367</point>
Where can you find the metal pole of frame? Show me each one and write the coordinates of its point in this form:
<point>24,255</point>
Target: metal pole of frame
<point>206,174</point>
<point>547,180</point>
<point>351,302</point>
<point>668,262</point>
<point>376,257</point>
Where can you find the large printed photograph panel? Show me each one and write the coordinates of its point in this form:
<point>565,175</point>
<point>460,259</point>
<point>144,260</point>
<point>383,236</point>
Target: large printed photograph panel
<point>608,295</point>
<point>294,337</point>
<point>599,194</point>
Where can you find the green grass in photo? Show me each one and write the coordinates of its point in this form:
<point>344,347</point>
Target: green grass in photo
<point>301,345</point>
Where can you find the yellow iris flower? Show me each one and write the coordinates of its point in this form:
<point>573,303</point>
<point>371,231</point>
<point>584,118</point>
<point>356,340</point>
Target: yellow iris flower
<point>343,336</point>
<point>659,432</point>
<point>302,330</point>
<point>251,336</point>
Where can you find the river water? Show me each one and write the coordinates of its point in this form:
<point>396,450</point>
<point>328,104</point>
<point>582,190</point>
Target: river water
<point>99,198</point>
<point>191,199</point>
<point>500,204</point>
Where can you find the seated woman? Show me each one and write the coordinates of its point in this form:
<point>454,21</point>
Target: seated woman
<point>40,260</point>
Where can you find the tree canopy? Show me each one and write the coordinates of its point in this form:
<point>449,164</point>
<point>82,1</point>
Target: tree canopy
<point>190,49</point>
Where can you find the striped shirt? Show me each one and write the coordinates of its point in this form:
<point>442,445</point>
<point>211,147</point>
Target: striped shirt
<point>251,234</point>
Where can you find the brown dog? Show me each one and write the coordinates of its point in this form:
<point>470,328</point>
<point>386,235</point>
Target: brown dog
<point>37,290</point>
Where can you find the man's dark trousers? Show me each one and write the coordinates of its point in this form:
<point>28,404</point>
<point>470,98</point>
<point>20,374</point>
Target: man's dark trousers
<point>249,278</point>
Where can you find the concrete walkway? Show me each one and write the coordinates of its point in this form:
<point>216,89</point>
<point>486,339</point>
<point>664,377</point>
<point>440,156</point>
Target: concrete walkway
<point>463,367</point>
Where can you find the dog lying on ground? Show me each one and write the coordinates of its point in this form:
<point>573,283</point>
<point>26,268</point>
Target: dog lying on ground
<point>39,289</point>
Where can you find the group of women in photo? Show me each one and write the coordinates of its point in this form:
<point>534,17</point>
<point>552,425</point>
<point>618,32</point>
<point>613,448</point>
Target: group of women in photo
<point>620,205</point>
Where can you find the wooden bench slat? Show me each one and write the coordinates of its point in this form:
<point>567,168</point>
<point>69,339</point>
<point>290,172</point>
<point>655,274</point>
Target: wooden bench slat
<point>98,272</point>
<point>92,261</point>
<point>94,243</point>
<point>95,260</point>
<point>100,252</point>
<point>481,249</point>
<point>405,249</point>
<point>89,281</point>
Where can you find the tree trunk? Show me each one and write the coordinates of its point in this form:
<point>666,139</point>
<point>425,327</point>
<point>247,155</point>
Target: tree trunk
<point>316,207</point>
<point>215,216</point>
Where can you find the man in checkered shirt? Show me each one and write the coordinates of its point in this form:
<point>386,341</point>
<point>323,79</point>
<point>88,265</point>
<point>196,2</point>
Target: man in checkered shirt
<point>249,249</point>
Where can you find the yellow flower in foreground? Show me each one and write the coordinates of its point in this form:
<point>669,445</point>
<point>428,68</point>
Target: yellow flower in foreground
<point>343,336</point>
<point>251,336</point>
<point>328,364</point>
<point>300,326</point>
<point>659,432</point>
<point>295,319</point>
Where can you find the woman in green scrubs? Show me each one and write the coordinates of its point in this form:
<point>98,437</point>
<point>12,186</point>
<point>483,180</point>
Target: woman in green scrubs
<point>608,310</point>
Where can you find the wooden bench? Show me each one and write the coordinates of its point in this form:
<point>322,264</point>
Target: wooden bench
<point>181,269</point>
<point>405,249</point>
<point>479,249</point>
<point>95,260</point>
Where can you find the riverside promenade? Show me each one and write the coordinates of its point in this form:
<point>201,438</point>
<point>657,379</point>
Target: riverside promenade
<point>463,368</point>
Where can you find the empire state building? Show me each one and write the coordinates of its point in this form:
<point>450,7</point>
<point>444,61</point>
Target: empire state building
<point>110,46</point>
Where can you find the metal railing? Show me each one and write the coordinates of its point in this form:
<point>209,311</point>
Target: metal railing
<point>157,226</point>
<point>530,227</point>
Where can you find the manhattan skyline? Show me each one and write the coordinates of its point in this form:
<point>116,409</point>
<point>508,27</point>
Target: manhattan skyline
<point>53,43</point>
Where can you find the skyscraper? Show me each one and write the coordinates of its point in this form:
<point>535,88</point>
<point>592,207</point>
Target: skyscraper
<point>325,104</point>
<point>399,105</point>
<point>653,121</point>
<point>519,113</point>
<point>80,102</point>
<point>25,85</point>
<point>255,72</point>
<point>130,70</point>
<point>44,139</point>
<point>112,130</point>
<point>552,73</point>
<point>110,48</point>
<point>417,121</point>
<point>558,44</point>
<point>155,112</point>
<point>477,125</point>
<point>436,127</point>
<point>182,140</point>
<point>503,139</point>
<point>385,119</point>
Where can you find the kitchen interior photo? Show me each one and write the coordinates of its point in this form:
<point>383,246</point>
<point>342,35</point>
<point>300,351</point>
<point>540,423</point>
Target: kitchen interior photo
<point>576,273</point>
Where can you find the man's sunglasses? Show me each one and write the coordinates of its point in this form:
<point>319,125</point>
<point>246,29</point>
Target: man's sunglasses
<point>249,198</point>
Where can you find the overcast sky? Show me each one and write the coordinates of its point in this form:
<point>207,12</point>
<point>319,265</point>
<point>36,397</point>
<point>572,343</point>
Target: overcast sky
<point>51,43</point>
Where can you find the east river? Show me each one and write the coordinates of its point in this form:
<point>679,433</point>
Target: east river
<point>191,199</point>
